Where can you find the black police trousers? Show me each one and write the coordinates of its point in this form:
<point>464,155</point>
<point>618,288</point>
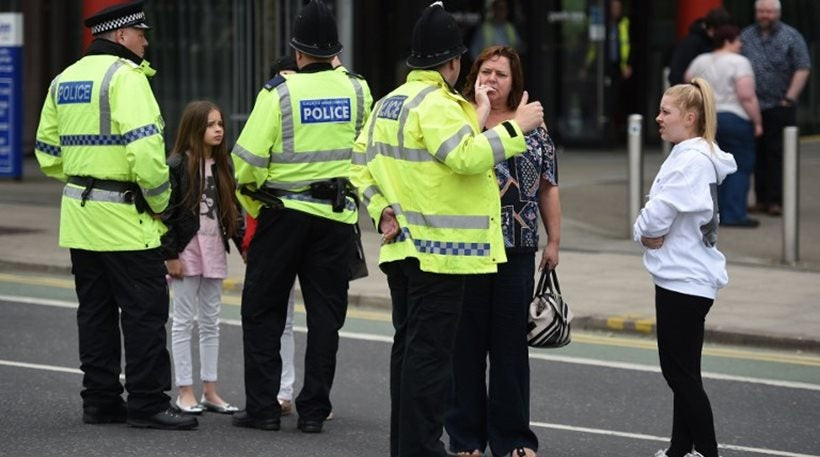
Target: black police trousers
<point>426,311</point>
<point>128,289</point>
<point>287,244</point>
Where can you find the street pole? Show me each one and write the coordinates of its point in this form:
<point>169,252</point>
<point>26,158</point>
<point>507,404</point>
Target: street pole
<point>791,182</point>
<point>634,143</point>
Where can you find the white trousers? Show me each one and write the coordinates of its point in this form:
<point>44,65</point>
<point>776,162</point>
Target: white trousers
<point>195,295</point>
<point>286,352</point>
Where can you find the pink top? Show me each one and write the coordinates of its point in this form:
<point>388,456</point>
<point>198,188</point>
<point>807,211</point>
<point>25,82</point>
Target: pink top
<point>205,254</point>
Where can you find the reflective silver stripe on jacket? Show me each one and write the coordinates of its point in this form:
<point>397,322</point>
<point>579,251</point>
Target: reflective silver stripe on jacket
<point>496,145</point>
<point>97,195</point>
<point>249,157</point>
<point>357,87</point>
<point>369,193</point>
<point>156,190</point>
<point>405,110</point>
<point>105,103</point>
<point>311,156</point>
<point>287,118</point>
<point>53,88</point>
<point>358,158</point>
<point>445,221</point>
<point>399,153</point>
<point>374,116</point>
<point>450,143</point>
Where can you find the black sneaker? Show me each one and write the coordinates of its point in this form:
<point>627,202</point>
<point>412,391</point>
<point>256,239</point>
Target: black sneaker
<point>243,419</point>
<point>114,414</point>
<point>170,419</point>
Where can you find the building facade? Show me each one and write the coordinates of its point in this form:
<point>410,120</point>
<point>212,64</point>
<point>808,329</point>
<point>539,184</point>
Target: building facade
<point>222,50</point>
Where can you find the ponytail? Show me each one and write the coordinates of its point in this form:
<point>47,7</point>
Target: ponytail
<point>708,115</point>
<point>699,98</point>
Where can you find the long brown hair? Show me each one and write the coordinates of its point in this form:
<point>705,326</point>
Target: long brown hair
<point>191,141</point>
<point>517,75</point>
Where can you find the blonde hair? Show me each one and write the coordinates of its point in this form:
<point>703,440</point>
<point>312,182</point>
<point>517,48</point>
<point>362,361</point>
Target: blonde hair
<point>697,97</point>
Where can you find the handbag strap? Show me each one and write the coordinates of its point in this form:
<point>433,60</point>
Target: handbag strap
<point>554,281</point>
<point>543,283</point>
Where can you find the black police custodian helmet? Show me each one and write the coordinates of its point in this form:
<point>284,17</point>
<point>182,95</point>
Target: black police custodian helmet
<point>314,31</point>
<point>117,17</point>
<point>436,38</point>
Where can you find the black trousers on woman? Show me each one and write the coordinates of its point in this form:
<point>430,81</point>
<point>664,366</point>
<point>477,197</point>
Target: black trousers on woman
<point>494,323</point>
<point>680,320</point>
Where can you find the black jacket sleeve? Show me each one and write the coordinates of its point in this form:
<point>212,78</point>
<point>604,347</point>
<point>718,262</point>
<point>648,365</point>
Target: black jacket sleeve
<point>172,215</point>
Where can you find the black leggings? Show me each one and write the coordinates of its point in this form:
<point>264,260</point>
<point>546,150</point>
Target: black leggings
<point>680,320</point>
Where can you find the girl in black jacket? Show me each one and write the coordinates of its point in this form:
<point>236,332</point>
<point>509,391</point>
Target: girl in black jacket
<point>203,215</point>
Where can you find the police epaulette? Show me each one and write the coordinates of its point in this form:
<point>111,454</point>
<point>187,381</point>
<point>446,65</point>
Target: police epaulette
<point>277,80</point>
<point>355,75</point>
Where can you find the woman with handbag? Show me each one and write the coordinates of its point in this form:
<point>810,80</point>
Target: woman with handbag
<point>678,226</point>
<point>494,316</point>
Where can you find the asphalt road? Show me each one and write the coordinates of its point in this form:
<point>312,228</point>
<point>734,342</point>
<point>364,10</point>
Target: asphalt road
<point>600,396</point>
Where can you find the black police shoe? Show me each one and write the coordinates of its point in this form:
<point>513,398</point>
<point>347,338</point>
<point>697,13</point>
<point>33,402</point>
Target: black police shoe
<point>113,414</point>
<point>170,419</point>
<point>243,419</point>
<point>309,426</point>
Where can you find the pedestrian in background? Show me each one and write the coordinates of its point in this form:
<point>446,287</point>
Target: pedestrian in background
<point>780,60</point>
<point>738,118</point>
<point>101,132</point>
<point>496,29</point>
<point>424,171</point>
<point>678,227</point>
<point>494,317</point>
<point>202,217</point>
<point>699,40</point>
<point>292,161</point>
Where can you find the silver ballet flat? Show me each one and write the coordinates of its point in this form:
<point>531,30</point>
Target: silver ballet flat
<point>225,408</point>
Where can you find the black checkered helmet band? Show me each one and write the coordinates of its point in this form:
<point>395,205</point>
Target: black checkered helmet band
<point>132,20</point>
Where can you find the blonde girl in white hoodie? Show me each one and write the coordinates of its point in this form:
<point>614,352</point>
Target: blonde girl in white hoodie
<point>678,227</point>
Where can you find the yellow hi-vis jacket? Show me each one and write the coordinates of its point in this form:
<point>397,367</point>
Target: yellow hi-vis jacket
<point>422,154</point>
<point>100,120</point>
<point>301,130</point>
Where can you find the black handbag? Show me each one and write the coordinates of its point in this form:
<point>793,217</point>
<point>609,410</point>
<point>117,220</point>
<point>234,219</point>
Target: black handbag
<point>549,316</point>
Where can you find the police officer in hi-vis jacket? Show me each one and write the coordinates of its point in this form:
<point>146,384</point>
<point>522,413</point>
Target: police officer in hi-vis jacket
<point>425,172</point>
<point>100,132</point>
<point>292,163</point>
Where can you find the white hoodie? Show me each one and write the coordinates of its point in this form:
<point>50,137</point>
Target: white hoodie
<point>682,207</point>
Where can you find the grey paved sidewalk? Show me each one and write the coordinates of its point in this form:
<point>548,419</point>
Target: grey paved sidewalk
<point>601,273</point>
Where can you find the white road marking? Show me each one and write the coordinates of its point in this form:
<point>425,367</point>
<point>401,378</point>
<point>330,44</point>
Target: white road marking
<point>533,355</point>
<point>536,356</point>
<point>640,436</point>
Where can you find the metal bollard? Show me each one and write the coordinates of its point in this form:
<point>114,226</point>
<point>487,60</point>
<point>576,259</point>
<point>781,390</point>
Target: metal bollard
<point>791,200</point>
<point>634,143</point>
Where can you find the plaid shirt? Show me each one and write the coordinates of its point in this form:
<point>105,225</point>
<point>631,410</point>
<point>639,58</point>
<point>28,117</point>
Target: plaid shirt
<point>775,59</point>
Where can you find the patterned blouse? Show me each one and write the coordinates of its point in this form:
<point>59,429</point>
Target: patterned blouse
<point>519,179</point>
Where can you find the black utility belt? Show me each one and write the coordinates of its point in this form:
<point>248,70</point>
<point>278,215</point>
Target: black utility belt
<point>103,184</point>
<point>130,191</point>
<point>333,190</point>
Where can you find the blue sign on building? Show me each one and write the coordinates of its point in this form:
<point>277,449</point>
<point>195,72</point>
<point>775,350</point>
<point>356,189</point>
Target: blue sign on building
<point>11,94</point>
